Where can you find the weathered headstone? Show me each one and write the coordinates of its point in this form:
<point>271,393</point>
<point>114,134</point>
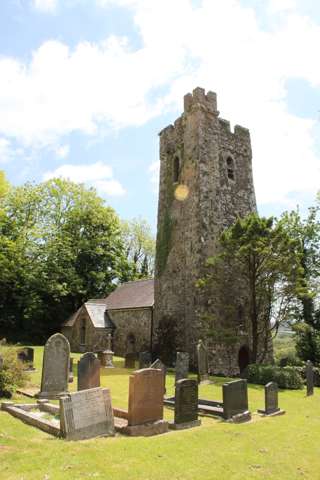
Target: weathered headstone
<point>271,400</point>
<point>182,366</point>
<point>1,362</point>
<point>161,366</point>
<point>70,370</point>
<point>88,372</point>
<point>26,355</point>
<point>86,414</point>
<point>144,360</point>
<point>309,378</point>
<point>235,399</point>
<point>186,405</point>
<point>55,367</point>
<point>145,396</point>
<point>130,360</point>
<point>203,365</point>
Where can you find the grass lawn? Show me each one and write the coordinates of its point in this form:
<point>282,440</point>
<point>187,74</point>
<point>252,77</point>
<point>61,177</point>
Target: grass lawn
<point>284,447</point>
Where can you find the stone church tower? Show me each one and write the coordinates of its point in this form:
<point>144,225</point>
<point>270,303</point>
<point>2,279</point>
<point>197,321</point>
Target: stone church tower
<point>205,184</point>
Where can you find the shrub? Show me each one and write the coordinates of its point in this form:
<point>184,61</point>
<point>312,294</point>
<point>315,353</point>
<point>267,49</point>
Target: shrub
<point>285,377</point>
<point>12,375</point>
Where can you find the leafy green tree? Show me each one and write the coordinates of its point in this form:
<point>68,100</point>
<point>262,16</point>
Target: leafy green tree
<point>260,262</point>
<point>59,246</point>
<point>140,247</point>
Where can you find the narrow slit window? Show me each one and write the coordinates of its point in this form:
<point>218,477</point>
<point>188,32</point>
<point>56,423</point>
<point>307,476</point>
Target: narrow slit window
<point>176,169</point>
<point>230,168</point>
<point>83,333</point>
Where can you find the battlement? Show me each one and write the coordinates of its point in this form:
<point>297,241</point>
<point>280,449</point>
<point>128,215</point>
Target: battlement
<point>199,96</point>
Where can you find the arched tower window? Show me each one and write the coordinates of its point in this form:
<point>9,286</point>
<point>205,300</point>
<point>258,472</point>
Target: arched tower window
<point>230,168</point>
<point>176,169</point>
<point>83,332</point>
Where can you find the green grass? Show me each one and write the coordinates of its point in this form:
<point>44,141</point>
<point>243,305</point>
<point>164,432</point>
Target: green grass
<point>285,447</point>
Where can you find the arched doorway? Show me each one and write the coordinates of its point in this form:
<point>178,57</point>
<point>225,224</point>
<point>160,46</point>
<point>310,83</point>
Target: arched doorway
<point>131,343</point>
<point>243,358</point>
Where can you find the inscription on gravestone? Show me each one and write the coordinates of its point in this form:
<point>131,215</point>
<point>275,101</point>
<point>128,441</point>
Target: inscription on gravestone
<point>144,360</point>
<point>88,372</point>
<point>182,366</point>
<point>145,396</point>
<point>55,367</point>
<point>161,366</point>
<point>86,414</point>
<point>235,398</point>
<point>309,378</point>
<point>186,403</point>
<point>203,365</point>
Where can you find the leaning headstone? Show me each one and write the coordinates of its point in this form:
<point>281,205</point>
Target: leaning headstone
<point>26,355</point>
<point>146,402</point>
<point>88,372</point>
<point>182,366</point>
<point>161,366</point>
<point>144,360</point>
<point>203,365</point>
<point>87,414</point>
<point>55,367</point>
<point>235,400</point>
<point>309,378</point>
<point>271,400</point>
<point>70,370</point>
<point>186,405</point>
<point>130,360</point>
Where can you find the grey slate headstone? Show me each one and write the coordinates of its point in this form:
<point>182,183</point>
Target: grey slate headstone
<point>26,355</point>
<point>1,362</point>
<point>160,366</point>
<point>309,378</point>
<point>203,365</point>
<point>87,414</point>
<point>55,367</point>
<point>130,360</point>
<point>235,398</point>
<point>182,366</point>
<point>144,360</point>
<point>186,402</point>
<point>88,372</point>
<point>271,399</point>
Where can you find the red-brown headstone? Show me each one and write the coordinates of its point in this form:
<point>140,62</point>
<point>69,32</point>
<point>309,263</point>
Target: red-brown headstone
<point>145,396</point>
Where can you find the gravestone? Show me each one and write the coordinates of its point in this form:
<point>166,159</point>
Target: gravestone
<point>186,405</point>
<point>55,367</point>
<point>203,365</point>
<point>88,372</point>
<point>145,397</point>
<point>130,360</point>
<point>182,366</point>
<point>70,370</point>
<point>309,378</point>
<point>26,355</point>
<point>1,362</point>
<point>144,360</point>
<point>235,398</point>
<point>86,414</point>
<point>271,400</point>
<point>157,364</point>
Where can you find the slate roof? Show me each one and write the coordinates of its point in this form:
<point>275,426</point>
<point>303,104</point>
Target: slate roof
<point>136,294</point>
<point>96,309</point>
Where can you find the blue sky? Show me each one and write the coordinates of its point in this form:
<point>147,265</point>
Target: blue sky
<point>85,87</point>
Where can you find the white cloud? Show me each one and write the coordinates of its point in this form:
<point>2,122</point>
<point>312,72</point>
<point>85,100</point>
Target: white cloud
<point>217,45</point>
<point>97,175</point>
<point>154,171</point>
<point>45,5</point>
<point>5,150</point>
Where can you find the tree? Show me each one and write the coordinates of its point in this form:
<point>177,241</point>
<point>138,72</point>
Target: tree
<point>266,263</point>
<point>140,247</point>
<point>306,232</point>
<point>59,246</point>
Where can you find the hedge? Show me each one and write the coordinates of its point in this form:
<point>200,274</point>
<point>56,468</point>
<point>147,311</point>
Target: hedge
<point>285,377</point>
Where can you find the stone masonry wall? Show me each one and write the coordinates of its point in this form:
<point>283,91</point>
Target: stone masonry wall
<point>95,338</point>
<point>201,153</point>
